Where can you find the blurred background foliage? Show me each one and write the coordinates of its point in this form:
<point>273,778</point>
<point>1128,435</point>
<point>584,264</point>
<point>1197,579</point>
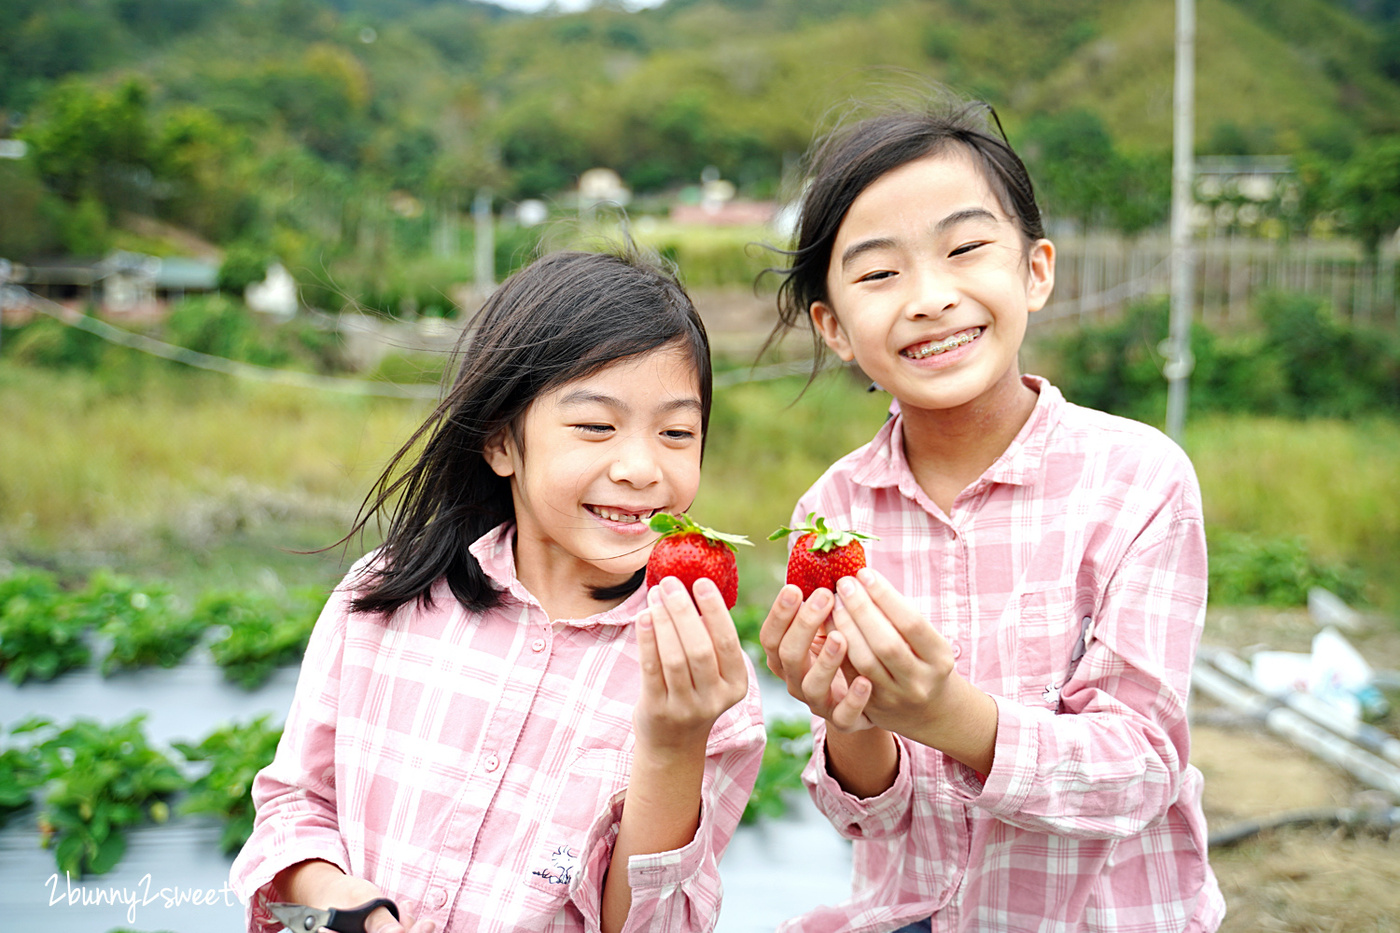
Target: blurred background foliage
<point>340,136</point>
<point>346,140</point>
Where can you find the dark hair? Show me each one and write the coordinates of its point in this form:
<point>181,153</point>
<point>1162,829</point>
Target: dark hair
<point>564,316</point>
<point>847,160</point>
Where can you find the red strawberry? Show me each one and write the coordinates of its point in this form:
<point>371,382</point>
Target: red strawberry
<point>689,551</point>
<point>822,555</point>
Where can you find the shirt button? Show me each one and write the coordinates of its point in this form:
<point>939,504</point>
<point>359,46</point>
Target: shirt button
<point>537,644</point>
<point>957,650</point>
<point>491,763</point>
<point>439,899</point>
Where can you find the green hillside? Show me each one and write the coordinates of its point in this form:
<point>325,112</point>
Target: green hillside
<point>311,128</point>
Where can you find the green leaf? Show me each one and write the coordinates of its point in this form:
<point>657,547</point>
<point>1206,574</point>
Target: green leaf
<point>667,524</point>
<point>69,855</point>
<point>109,853</point>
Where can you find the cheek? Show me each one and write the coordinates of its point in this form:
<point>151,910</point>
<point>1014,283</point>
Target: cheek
<point>683,471</point>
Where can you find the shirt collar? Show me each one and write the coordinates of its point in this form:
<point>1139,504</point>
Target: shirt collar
<point>495,551</point>
<point>884,464</point>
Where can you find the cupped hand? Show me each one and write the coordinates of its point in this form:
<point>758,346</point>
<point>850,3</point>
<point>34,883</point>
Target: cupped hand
<point>909,664</point>
<point>692,663</point>
<point>814,665</point>
<point>915,689</point>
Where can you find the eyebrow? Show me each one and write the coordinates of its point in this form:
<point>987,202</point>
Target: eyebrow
<point>584,397</point>
<point>952,220</point>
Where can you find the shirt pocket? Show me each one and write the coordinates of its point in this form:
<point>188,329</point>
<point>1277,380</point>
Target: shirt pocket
<point>1051,635</point>
<point>584,793</point>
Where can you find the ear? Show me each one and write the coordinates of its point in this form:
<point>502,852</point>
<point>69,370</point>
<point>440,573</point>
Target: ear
<point>500,453</point>
<point>1040,281</point>
<point>826,322</point>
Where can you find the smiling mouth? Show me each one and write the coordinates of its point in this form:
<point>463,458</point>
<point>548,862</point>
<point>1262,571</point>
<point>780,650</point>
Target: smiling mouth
<point>616,515</point>
<point>923,351</point>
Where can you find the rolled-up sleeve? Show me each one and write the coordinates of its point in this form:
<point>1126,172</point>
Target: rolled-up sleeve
<point>884,815</point>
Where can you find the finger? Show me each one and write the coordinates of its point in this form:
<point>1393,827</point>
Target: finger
<point>858,649</point>
<point>923,639</point>
<point>776,623</point>
<point>849,713</point>
<point>820,680</point>
<point>653,679</point>
<point>728,652</point>
<point>697,647</point>
<point>794,653</point>
<point>694,636</point>
<point>675,667</point>
<point>881,634</point>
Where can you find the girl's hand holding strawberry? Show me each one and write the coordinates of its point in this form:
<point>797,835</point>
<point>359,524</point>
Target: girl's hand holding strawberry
<point>692,665</point>
<point>914,687</point>
<point>795,633</point>
<point>693,669</point>
<point>810,663</point>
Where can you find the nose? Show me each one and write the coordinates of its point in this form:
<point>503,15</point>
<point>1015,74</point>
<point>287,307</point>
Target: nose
<point>634,463</point>
<point>932,293</point>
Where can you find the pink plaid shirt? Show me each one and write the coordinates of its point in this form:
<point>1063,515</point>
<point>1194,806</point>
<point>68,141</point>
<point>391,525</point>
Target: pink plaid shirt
<point>1071,581</point>
<point>474,766</point>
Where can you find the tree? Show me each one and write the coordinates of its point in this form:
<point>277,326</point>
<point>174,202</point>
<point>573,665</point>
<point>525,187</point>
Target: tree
<point>1072,160</point>
<point>83,137</point>
<point>1368,193</point>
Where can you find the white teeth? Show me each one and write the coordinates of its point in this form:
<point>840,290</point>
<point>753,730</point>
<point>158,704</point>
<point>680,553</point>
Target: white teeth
<point>613,515</point>
<point>943,346</point>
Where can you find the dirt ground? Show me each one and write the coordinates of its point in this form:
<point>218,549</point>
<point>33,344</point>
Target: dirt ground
<point>1302,879</point>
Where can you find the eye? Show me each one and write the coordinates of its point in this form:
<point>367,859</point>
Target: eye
<point>876,275</point>
<point>678,434</point>
<point>593,429</point>
<point>967,248</point>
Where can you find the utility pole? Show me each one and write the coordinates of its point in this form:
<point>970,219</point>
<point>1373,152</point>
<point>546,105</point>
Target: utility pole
<point>485,243</point>
<point>1179,361</point>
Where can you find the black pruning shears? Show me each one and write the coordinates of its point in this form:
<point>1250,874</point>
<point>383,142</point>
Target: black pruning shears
<point>302,919</point>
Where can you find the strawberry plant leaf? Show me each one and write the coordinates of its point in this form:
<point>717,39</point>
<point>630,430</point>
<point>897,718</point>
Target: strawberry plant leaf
<point>40,637</point>
<point>235,754</point>
<point>99,781</point>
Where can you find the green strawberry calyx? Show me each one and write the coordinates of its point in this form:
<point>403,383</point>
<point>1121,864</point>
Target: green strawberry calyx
<point>666,524</point>
<point>825,539</point>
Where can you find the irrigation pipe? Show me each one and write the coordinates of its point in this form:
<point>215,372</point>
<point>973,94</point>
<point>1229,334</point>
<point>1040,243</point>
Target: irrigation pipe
<point>1381,821</point>
<point>1377,741</point>
<point>1367,768</point>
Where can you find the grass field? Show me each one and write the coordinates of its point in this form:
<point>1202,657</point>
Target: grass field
<point>197,479</point>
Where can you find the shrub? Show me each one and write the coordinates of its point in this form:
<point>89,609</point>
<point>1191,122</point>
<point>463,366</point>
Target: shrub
<point>1302,363</point>
<point>789,746</point>
<point>148,624</point>
<point>1248,570</point>
<point>242,266</point>
<point>21,771</point>
<point>54,345</point>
